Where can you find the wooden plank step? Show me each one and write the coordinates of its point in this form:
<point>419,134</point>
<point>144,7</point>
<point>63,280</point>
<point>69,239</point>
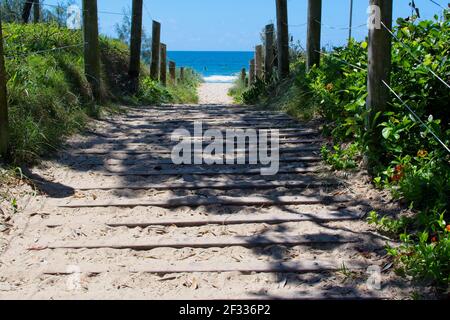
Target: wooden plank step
<point>257,184</point>
<point>183,171</point>
<point>212,113</point>
<point>137,137</point>
<point>223,111</point>
<point>195,201</point>
<point>204,242</point>
<point>172,127</point>
<point>170,143</point>
<point>188,267</point>
<point>211,171</point>
<point>165,132</point>
<point>307,156</point>
<point>101,161</point>
<point>168,151</point>
<point>231,219</point>
<point>206,121</point>
<point>207,118</point>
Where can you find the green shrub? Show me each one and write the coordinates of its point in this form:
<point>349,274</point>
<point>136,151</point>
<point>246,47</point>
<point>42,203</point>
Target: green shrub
<point>426,255</point>
<point>341,158</point>
<point>49,95</point>
<point>412,164</point>
<point>237,90</point>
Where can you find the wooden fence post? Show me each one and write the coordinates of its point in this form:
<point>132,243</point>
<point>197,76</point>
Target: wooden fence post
<point>182,74</point>
<point>259,61</point>
<point>268,57</point>
<point>36,11</point>
<point>379,68</point>
<point>26,11</point>
<point>251,73</point>
<point>4,125</point>
<point>350,23</point>
<point>156,42</point>
<point>135,45</point>
<point>173,72</point>
<point>163,65</point>
<point>243,75</point>
<point>282,39</point>
<point>314,33</point>
<point>91,46</point>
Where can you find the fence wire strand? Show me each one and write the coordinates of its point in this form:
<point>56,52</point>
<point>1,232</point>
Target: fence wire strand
<point>416,116</point>
<point>414,57</point>
<point>22,55</point>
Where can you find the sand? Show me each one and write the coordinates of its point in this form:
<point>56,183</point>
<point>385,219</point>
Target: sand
<point>215,93</point>
<point>30,269</point>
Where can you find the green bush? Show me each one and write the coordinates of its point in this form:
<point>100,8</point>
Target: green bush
<point>237,90</point>
<point>412,164</point>
<point>49,95</point>
<point>185,91</point>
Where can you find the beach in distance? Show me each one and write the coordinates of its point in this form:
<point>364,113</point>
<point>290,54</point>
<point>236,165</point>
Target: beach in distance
<point>213,66</point>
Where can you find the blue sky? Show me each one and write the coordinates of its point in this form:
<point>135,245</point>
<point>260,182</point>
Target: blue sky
<point>234,25</point>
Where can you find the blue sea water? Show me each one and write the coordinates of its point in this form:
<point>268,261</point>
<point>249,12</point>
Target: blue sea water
<point>214,66</point>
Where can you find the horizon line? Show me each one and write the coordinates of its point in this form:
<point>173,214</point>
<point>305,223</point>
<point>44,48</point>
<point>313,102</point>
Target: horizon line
<point>210,50</point>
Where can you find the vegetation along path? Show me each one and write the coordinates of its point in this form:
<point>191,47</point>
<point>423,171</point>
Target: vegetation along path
<point>116,219</point>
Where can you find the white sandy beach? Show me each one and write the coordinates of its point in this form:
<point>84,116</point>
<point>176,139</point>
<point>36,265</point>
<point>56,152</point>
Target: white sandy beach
<point>215,93</point>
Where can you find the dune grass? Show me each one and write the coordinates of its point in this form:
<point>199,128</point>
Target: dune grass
<point>49,95</point>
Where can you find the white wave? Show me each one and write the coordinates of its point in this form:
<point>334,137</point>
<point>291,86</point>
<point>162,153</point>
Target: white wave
<point>220,79</point>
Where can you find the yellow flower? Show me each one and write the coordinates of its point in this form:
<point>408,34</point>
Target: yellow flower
<point>329,87</point>
<point>422,153</point>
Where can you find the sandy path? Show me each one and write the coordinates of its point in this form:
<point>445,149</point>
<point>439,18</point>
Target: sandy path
<point>215,93</point>
<point>38,263</point>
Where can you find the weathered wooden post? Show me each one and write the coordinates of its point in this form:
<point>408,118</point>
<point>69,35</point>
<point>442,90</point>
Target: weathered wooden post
<point>135,45</point>
<point>163,65</point>
<point>173,72</point>
<point>251,73</point>
<point>182,74</point>
<point>259,61</point>
<point>4,124</point>
<point>282,39</point>
<point>156,42</point>
<point>36,11</point>
<point>379,69</point>
<point>268,57</point>
<point>243,75</point>
<point>26,11</point>
<point>314,33</point>
<point>91,46</point>
<point>350,23</point>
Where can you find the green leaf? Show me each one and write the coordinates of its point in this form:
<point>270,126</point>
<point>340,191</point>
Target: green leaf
<point>386,133</point>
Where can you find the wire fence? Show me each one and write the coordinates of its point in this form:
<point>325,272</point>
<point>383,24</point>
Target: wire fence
<point>359,68</point>
<point>414,56</point>
<point>44,51</point>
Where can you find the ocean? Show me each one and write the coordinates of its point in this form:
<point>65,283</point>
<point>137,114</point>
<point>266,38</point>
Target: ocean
<point>214,66</point>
